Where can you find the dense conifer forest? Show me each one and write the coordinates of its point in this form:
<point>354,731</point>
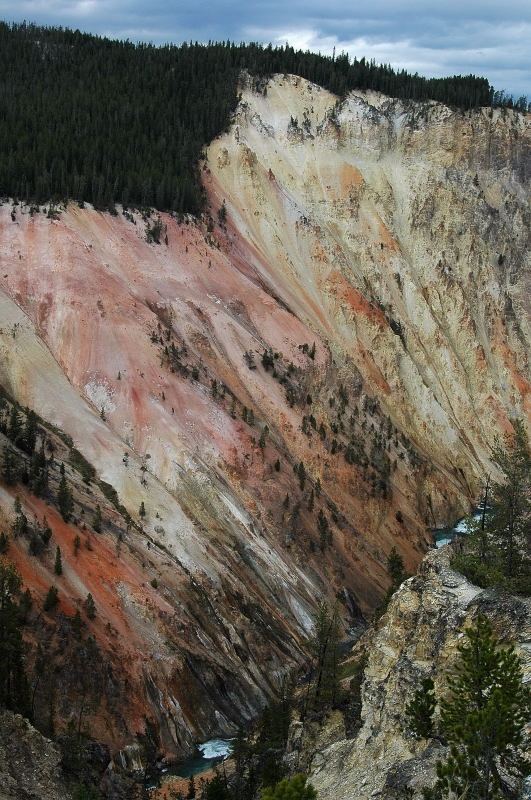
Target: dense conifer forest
<point>90,119</point>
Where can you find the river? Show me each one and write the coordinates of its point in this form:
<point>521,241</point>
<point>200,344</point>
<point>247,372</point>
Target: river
<point>209,754</point>
<point>443,536</point>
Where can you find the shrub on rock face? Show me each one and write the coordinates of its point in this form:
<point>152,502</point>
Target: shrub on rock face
<point>419,711</point>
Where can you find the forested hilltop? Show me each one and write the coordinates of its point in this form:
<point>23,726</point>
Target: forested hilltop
<point>103,121</point>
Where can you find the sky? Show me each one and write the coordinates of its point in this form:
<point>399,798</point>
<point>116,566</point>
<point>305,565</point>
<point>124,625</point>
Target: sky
<point>433,38</point>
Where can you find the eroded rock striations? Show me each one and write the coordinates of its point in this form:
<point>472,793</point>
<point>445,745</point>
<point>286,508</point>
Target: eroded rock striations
<point>291,387</point>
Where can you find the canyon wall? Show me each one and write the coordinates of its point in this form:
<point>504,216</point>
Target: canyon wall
<point>303,379</point>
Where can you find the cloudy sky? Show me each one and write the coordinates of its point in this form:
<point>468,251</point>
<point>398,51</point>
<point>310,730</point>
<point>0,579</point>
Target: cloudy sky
<point>434,38</point>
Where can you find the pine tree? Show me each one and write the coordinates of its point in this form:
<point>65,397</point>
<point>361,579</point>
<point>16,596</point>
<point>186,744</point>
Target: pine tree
<point>77,544</point>
<point>64,499</point>
<point>10,467</point>
<point>51,599</point>
<point>13,682</point>
<point>20,524</point>
<point>222,214</point>
<point>97,521</point>
<point>4,543</point>
<point>58,566</point>
<point>26,604</point>
<point>273,734</point>
<point>14,427</point>
<point>191,788</point>
<point>29,437</point>
<point>245,774</point>
<point>395,568</point>
<point>36,545</point>
<point>46,531</point>
<point>301,471</point>
<point>419,712</point>
<point>325,651</point>
<point>509,522</point>
<point>38,472</point>
<point>142,510</point>
<point>483,719</point>
<point>77,624</point>
<point>325,534</point>
<point>496,552</point>
<point>90,607</point>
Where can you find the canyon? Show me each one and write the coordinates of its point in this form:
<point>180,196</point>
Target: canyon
<point>307,376</point>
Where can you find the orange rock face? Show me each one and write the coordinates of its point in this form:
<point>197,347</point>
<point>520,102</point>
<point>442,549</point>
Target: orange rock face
<point>351,316</point>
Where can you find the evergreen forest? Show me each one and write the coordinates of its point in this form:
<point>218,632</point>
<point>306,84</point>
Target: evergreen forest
<point>92,119</point>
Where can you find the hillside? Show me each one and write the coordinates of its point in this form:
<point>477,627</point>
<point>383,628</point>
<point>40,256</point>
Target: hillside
<point>306,377</point>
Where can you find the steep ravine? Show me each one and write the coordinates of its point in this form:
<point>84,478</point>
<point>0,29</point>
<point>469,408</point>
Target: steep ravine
<point>360,311</point>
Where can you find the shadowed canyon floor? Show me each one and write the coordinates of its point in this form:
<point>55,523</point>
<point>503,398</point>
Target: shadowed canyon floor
<point>291,387</point>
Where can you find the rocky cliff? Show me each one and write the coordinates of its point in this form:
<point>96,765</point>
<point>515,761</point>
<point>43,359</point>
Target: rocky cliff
<point>416,638</point>
<point>307,376</point>
<point>30,765</point>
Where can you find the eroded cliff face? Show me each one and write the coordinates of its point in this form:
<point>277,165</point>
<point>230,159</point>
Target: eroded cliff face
<point>417,637</point>
<point>359,310</point>
<point>30,765</point>
<point>401,234</point>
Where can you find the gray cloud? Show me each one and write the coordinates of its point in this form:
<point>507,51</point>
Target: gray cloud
<point>485,37</point>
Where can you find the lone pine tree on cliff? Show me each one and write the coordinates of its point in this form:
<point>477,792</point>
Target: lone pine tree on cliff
<point>58,567</point>
<point>325,647</point>
<point>510,518</point>
<point>483,720</point>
